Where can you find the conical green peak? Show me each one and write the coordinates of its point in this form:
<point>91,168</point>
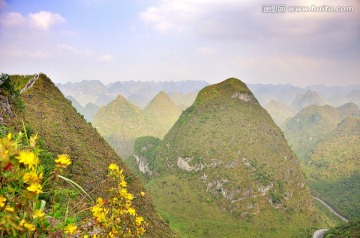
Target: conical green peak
<point>231,88</point>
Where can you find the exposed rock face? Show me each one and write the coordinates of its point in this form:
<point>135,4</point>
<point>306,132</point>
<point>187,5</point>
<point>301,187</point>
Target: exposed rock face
<point>243,96</point>
<point>5,109</point>
<point>183,163</point>
<point>143,165</point>
<point>225,150</point>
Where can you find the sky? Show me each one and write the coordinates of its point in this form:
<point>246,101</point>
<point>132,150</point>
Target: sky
<point>175,40</point>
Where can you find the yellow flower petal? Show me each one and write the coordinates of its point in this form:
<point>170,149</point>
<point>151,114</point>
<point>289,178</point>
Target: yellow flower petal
<point>35,188</point>
<point>38,214</point>
<point>2,201</point>
<point>113,167</point>
<point>28,158</point>
<point>63,160</point>
<point>70,229</point>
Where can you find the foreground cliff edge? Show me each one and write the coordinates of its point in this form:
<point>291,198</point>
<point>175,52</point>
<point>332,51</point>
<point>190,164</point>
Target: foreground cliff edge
<point>45,110</point>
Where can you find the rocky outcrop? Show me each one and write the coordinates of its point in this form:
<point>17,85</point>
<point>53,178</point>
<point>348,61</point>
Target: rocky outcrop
<point>243,96</point>
<point>143,165</point>
<point>5,109</point>
<point>30,83</point>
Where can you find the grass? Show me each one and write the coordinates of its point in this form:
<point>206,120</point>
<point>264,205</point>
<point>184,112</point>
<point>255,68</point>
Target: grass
<point>64,131</point>
<point>242,149</point>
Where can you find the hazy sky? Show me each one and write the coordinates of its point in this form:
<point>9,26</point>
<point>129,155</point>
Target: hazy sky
<point>165,40</point>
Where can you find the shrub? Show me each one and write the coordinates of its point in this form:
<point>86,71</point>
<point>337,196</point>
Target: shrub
<point>23,212</point>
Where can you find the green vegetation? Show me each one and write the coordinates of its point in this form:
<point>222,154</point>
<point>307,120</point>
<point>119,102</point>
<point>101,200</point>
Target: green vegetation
<point>23,212</point>
<point>330,159</point>
<point>349,230</point>
<point>64,131</point>
<point>120,122</point>
<point>225,170</point>
<point>343,194</point>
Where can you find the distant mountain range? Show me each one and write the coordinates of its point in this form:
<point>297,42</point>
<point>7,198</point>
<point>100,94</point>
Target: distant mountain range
<point>88,96</point>
<point>139,93</point>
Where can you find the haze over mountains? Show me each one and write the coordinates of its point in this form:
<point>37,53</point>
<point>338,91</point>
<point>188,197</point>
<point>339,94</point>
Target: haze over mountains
<point>183,94</point>
<point>139,93</point>
<point>216,165</point>
<point>327,141</point>
<point>120,122</point>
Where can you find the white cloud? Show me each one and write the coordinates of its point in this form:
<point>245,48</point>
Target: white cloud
<point>106,58</point>
<point>45,20</point>
<point>41,20</point>
<point>243,20</point>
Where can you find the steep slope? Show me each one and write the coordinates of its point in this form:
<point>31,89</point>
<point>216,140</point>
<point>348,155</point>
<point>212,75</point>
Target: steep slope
<point>333,168</point>
<point>309,98</point>
<point>279,111</point>
<point>120,122</point>
<point>162,113</point>
<point>309,126</point>
<point>225,170</point>
<point>326,140</point>
<point>63,130</point>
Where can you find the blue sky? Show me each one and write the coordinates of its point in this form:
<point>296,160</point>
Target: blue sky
<point>173,40</point>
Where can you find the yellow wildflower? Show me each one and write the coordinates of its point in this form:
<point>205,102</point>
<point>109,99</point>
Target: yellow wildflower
<point>32,177</point>
<point>9,209</point>
<point>9,136</point>
<point>2,201</point>
<point>38,214</point>
<point>29,226</point>
<point>63,160</point>
<point>138,220</point>
<point>100,201</point>
<point>129,196</point>
<point>123,192</point>
<point>123,184</point>
<point>28,158</point>
<point>35,188</point>
<point>70,229</point>
<point>131,211</point>
<point>113,167</point>
<point>142,194</point>
<point>22,222</point>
